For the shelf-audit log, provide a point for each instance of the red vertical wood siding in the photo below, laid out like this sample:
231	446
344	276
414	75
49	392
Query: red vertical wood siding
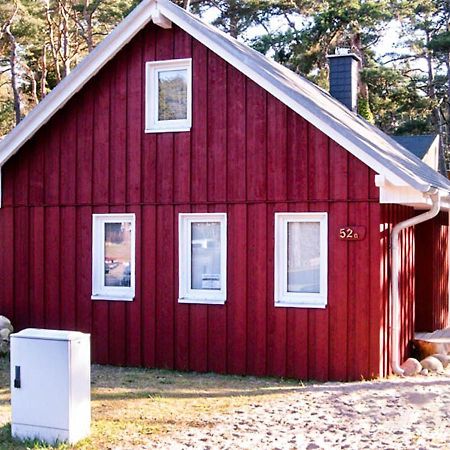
390	216
432	305
247	155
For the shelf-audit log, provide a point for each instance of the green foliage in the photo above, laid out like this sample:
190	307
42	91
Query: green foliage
6	116
396	104
364	109
440	43
51	38
237	16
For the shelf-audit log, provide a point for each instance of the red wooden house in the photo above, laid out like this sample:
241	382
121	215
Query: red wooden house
197	206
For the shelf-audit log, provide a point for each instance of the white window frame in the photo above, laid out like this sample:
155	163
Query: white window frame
152	124
283	297
99	290
186	293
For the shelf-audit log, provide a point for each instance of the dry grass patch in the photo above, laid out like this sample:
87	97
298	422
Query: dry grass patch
131	407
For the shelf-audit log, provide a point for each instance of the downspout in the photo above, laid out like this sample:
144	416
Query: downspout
395	299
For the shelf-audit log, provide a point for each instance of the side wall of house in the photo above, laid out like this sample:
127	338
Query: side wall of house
247	155
432	261
390	216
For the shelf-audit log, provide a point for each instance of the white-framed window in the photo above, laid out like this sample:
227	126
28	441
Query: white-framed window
168	97
203	258
301	267
113	256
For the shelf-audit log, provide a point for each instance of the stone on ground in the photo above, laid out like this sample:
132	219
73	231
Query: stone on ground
4	334
5	330
5	323
432	364
411	367
444	359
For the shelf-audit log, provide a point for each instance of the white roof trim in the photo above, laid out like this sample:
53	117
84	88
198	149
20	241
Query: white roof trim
160	20
408	196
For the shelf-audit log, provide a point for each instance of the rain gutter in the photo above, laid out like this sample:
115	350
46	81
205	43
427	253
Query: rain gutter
395	297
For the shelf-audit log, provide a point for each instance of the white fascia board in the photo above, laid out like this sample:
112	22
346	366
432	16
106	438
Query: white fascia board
402	195
436	147
85	70
408	196
431	157
306	113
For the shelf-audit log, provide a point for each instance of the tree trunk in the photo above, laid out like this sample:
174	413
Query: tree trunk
87	15
32	77
43	81
65	39
53	48
431	89
14	75
445	128
234	31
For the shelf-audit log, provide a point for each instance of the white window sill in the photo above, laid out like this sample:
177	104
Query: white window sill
112	297
168	130
300	305
196	301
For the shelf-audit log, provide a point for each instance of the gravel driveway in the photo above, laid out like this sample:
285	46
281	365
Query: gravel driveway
410	413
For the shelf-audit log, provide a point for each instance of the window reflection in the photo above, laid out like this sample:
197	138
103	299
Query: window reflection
303	257
172	93
118	254
205	255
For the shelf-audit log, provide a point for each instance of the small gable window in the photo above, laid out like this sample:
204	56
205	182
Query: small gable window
113	242
168	101
301	260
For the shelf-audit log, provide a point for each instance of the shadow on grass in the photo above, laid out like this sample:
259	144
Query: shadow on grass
219	392
8	443
5	435
4	372
143	393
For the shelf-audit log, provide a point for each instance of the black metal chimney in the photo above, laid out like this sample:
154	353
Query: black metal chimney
344	72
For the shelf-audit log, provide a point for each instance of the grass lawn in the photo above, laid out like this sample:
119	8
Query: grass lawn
130	407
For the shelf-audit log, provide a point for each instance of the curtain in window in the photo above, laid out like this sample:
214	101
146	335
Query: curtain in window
303	271
205	255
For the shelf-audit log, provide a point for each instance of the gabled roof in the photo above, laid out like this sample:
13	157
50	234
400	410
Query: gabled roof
363	140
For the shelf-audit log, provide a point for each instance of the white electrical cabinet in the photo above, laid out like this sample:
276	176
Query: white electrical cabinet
50	385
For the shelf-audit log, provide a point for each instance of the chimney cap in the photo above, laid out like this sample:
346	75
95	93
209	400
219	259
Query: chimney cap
341	52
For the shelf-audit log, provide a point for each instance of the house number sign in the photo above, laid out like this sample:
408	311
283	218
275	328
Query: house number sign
352	233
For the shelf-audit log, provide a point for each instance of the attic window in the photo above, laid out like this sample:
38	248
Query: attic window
168	101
